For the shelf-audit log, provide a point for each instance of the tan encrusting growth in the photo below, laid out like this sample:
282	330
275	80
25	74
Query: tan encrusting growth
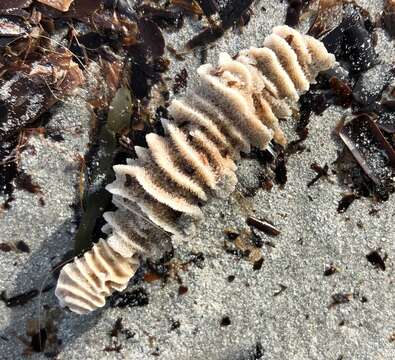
237	105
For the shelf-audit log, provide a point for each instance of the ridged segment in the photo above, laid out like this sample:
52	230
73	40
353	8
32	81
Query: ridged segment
237	105
84	284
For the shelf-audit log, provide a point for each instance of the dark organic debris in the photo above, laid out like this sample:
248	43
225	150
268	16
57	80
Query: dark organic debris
376	259
175	325
162	17
43	334
207	36
113	348
209	7
182	290
180	81
19	246
230	278
20	299
342	90
151	276
259	352
25	182
297	146
22	246
138	297
225	321
263	225
231	234
330	270
340	298
233	13
346	201
282	289
196	259
256	239
294	11
370	148
5	247
280	169
117	328
321	172
188	6
258	264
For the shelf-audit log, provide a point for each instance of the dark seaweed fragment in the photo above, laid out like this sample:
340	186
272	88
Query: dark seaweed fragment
175	325
258	264
294	11
151	37
259	352
162	17
340	298
22	246
376	259
330	270
180	81
207	36
20	299
25	182
39	340
209	7
345	202
233	11
282	289
138	297
150	46
321	172
116	328
225	321
5	247
280	169
342	90
182	290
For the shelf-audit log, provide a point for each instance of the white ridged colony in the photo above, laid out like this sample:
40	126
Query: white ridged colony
237	105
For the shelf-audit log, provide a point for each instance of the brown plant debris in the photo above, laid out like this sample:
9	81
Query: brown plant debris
321	172
263	225
340	298
376	259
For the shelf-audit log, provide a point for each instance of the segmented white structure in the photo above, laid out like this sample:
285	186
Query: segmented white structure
237	105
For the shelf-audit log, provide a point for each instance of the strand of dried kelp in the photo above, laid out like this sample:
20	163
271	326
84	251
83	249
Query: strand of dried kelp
237	105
